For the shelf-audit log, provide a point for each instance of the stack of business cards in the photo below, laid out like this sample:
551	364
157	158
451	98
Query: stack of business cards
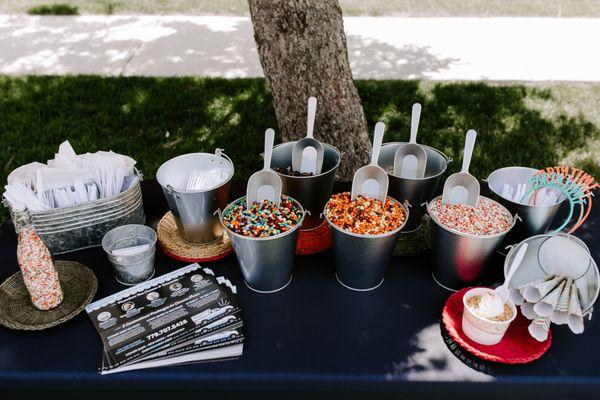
188	315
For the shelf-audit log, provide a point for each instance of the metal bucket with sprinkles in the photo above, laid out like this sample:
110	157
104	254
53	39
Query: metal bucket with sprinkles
264	239
414	190
364	233
465	238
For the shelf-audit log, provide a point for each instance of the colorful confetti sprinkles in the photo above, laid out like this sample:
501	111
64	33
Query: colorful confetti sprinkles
263	219
488	218
365	215
37	267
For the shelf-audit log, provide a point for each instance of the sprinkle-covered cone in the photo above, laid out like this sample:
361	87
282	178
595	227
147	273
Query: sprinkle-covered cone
527	311
536	291
539	328
546	305
560	314
575	316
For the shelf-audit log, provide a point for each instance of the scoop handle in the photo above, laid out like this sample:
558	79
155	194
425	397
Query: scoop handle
310	121
515	264
269	140
414	122
469	146
377	140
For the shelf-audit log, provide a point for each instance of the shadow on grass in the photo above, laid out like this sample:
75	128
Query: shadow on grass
154	119
509	132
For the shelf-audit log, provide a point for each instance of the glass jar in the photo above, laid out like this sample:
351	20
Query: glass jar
35	261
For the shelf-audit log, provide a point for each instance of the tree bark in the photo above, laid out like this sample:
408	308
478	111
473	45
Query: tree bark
302	49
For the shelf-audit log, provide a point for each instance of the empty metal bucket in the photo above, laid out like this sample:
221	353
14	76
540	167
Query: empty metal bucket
362	260
266	263
135	268
195	210
534	219
311	191
459	258
416	191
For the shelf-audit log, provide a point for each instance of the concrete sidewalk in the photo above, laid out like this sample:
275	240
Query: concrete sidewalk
528	49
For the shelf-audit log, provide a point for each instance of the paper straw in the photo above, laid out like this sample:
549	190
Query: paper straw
539	328
575	321
560	314
537	290
547	304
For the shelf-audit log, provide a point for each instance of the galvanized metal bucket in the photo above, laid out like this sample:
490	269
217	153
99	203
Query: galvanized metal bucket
362	260
573	260
194	210
135	268
416	191
459	258
84	225
266	263
311	191
534	219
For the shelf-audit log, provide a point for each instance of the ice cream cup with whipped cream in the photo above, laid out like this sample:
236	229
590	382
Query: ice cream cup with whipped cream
485	318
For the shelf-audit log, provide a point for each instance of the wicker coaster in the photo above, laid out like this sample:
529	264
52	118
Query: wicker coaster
315	240
173	245
414	242
78	284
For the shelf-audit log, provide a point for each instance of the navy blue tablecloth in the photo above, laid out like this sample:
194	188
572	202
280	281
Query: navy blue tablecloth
313	338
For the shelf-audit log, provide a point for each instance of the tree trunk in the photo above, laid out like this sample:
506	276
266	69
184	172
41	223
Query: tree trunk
302	49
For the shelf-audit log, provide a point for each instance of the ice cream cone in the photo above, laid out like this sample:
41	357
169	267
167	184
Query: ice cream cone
527	311
539	328
548	303
560	314
537	290
575	320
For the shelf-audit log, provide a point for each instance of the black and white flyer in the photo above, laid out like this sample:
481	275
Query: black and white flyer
187	315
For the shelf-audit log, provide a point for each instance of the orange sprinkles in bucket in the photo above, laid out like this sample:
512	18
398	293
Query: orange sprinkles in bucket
365	215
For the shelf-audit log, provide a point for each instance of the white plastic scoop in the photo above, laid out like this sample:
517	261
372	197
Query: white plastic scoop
372	180
410	159
502	290
264	184
462	187
307	153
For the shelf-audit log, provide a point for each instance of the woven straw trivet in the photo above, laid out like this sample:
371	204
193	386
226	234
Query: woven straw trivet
173	245
414	242
78	284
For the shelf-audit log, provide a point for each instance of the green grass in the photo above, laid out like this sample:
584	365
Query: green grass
154	119
53	9
416	8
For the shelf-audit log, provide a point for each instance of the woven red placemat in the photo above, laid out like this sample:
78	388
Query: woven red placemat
315	240
517	346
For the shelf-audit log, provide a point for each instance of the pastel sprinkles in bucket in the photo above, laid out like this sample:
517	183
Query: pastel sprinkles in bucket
365	215
264	219
488	218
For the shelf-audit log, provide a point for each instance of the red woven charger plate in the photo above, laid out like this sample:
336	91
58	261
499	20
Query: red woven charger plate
517	346
315	240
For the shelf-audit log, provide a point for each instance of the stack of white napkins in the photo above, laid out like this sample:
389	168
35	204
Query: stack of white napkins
70	179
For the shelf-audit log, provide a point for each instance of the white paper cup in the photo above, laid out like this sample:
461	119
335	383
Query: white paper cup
482	330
